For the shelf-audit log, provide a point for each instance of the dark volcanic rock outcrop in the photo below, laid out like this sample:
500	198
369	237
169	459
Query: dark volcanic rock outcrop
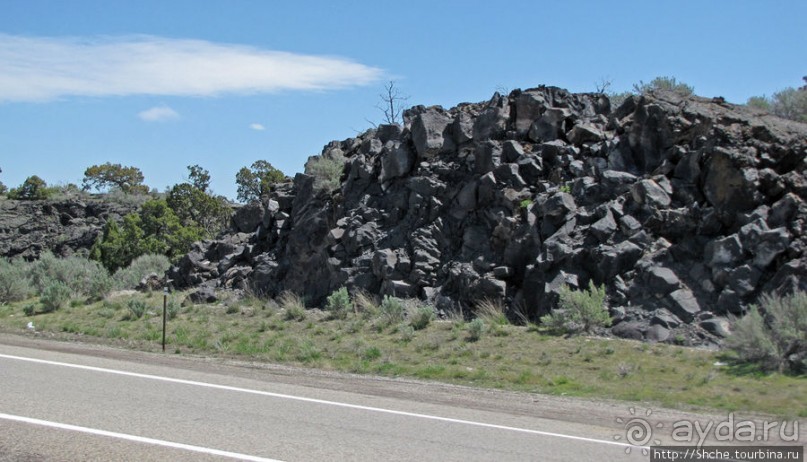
65	227
687	209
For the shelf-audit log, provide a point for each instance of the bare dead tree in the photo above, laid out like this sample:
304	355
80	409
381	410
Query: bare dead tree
392	103
603	85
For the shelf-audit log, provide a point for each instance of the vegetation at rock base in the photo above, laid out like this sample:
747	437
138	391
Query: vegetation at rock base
664	298
339	304
165	226
773	335
141	267
579	311
195	206
154	229
449	350
421	316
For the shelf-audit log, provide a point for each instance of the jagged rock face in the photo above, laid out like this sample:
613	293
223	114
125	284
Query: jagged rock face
65	227
687	209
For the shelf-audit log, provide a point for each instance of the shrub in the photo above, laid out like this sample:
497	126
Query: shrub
475	329
69	191
326	170
492	312
54	296
129	200
790	103
421	316
154	229
137	308
579	310
29	309
142	266
339	304
172	308
293	305
14	282
664	84
83	277
371	353
366	304
256	181
407	333
618	98
773	335
393	309
195	206
759	102
98	282
32	189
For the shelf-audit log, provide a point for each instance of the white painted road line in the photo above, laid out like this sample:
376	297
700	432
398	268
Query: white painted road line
137	439
317	401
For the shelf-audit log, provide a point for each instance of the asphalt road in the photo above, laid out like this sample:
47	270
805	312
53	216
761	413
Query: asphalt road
67	402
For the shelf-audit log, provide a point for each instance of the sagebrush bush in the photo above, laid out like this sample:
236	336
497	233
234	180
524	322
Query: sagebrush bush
14	282
579	310
790	103
407	333
82	276
172	308
137	308
666	84
142	266
475	329
773	335
392	309
326	170
55	296
339	304
420	317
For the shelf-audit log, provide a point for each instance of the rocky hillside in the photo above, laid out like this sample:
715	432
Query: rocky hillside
65	227
687	209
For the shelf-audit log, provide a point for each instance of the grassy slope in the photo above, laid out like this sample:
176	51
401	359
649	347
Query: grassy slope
507	357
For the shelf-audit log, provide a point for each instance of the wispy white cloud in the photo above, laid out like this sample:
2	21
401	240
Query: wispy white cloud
257	126
46	68
158	114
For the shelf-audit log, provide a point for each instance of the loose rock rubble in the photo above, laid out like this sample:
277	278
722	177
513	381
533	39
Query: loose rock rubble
687	209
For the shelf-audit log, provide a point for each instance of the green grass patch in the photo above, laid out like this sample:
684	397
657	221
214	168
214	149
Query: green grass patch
372	340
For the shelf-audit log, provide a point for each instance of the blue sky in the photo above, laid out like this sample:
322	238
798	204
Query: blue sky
164	84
